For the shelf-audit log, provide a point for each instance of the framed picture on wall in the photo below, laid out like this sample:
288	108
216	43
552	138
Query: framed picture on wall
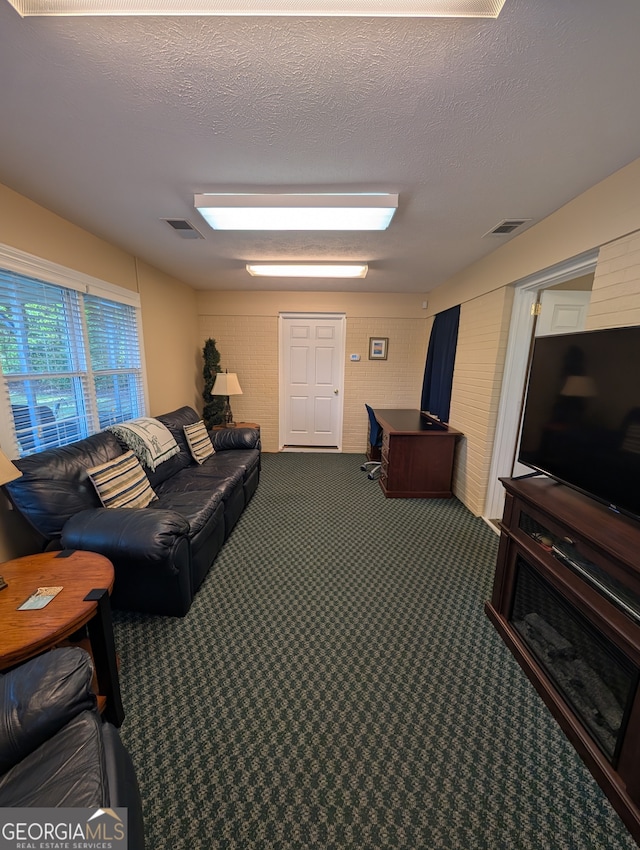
378	346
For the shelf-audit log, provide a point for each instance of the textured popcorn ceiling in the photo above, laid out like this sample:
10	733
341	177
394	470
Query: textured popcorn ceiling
116	123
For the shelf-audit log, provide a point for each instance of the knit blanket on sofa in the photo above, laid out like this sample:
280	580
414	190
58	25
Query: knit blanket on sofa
148	439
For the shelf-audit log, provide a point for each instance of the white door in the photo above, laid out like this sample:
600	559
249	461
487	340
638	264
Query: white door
311	380
563	311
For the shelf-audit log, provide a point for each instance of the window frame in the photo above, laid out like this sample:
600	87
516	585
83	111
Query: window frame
21	263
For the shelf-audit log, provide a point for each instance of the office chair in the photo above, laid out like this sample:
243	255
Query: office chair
375	439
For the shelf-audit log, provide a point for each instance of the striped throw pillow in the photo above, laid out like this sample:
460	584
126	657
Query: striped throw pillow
199	441
122	483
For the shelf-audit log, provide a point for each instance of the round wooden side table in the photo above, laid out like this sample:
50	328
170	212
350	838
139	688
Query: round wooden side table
86	579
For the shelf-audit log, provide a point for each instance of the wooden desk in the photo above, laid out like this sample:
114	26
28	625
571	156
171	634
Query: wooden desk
417	455
86	580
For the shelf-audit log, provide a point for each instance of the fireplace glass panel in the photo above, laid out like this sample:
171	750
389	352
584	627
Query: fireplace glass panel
595	678
564	550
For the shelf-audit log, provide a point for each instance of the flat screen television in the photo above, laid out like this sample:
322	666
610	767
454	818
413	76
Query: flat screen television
581	422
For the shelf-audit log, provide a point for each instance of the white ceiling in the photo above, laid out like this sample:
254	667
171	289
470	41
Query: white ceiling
115	123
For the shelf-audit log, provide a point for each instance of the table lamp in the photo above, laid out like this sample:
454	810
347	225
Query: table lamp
8	472
226	384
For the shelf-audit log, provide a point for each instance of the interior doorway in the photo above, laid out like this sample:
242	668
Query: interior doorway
563	313
312	347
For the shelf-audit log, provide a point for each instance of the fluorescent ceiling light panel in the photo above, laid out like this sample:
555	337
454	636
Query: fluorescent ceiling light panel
297	8
308	269
370	211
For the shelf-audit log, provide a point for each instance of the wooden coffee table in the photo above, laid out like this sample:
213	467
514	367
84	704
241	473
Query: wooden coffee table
86	579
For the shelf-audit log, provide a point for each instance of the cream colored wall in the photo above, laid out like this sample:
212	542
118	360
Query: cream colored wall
602	214
615	296
394	382
584	283
29	227
245	327
606	215
475	395
169	317
173	354
248	345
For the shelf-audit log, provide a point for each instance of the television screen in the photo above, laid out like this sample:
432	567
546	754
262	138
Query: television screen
581	422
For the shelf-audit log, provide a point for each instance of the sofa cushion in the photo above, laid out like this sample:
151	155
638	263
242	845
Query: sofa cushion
199	441
69	767
195	506
175	422
225	463
122	483
39	698
207	477
236	438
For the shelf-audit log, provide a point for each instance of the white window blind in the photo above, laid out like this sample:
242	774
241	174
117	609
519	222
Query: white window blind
71	361
114	355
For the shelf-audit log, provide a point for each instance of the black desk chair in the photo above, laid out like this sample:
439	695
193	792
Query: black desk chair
375	439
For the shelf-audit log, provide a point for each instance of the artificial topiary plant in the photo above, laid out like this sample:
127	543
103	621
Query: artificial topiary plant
213	404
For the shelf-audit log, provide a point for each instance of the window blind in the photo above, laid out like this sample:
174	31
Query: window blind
71	361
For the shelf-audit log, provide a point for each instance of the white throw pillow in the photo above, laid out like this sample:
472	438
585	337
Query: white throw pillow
199	441
122	483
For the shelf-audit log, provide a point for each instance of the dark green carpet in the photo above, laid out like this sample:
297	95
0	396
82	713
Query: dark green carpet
337	685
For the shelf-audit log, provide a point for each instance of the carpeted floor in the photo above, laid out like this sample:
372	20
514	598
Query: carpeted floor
337	685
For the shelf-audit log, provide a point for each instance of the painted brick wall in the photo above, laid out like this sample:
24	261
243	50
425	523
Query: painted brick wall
248	345
394	382
615	297
479	366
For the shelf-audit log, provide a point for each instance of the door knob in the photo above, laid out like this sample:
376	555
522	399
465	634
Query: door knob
335	392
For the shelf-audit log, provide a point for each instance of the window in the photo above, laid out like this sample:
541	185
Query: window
70	355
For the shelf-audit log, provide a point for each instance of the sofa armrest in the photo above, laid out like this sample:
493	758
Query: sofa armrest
40	697
145	534
235	438
123	784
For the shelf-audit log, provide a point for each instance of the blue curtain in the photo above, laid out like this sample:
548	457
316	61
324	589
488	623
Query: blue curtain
441	356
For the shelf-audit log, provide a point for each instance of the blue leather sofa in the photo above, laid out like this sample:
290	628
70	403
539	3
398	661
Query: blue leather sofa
55	749
161	553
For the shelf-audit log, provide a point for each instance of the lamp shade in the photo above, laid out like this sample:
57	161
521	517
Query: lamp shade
8	471
226	383
579	386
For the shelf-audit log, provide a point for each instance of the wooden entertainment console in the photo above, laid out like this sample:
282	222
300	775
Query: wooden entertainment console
566	601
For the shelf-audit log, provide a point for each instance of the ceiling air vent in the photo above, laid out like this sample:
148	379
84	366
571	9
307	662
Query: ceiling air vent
507	226
183	228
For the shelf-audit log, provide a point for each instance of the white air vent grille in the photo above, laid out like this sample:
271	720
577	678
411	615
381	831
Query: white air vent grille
183	228
507	226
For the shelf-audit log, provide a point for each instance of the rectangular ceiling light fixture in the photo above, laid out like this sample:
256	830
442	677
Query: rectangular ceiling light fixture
276	8
367	211
321	270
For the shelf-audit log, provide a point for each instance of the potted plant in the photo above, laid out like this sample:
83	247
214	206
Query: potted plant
213	404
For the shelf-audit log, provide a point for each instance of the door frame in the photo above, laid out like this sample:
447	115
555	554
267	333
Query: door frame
515	368
342	347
